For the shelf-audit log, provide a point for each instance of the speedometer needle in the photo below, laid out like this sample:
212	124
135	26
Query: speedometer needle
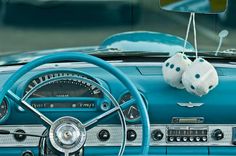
132	108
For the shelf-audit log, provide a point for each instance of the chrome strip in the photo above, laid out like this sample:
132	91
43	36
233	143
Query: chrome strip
189	104
115	134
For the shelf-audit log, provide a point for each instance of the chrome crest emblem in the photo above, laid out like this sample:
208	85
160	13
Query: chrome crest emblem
189	104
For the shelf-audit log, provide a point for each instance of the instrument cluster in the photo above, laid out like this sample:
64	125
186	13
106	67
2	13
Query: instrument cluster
62	90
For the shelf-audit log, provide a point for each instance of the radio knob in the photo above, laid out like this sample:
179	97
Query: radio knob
157	135
217	134
27	153
131	135
19	137
104	135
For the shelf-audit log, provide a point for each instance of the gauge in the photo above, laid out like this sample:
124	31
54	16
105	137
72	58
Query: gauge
62	87
3	109
132	113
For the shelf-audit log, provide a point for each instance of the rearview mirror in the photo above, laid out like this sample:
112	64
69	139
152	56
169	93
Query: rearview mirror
196	6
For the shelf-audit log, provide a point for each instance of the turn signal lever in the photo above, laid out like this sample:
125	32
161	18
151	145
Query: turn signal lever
20	133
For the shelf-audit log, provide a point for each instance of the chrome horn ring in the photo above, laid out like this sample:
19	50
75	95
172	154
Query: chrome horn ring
67	135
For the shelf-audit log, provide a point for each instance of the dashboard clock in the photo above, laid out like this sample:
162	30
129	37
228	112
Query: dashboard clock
132	113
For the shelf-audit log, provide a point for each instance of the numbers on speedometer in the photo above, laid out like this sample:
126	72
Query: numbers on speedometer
132	113
63	87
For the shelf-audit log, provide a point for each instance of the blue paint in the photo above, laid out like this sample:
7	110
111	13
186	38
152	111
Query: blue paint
5	151
161	98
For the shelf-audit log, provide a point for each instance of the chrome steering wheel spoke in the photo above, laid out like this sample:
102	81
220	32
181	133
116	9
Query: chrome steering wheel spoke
109	112
27	106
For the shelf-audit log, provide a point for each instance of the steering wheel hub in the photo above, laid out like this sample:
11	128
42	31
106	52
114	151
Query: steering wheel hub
67	135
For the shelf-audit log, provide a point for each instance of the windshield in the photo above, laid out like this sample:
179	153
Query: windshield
39	25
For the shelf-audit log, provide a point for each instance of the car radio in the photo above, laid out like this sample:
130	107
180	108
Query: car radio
186	134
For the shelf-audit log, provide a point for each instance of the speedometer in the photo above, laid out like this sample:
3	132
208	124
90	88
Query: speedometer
64	87
63	90
67	88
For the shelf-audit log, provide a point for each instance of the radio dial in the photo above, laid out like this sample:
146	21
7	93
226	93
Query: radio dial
217	134
157	135
104	135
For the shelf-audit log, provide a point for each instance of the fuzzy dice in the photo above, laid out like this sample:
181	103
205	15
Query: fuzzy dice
200	77
173	69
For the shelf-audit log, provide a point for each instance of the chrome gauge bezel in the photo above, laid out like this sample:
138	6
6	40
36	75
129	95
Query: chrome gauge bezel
145	101
7	114
74	72
51	74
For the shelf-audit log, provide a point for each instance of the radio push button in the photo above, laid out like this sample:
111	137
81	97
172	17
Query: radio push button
171	139
178	139
204	139
185	139
191	139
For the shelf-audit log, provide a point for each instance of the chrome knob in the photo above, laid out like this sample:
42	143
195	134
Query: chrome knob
157	135
171	139
217	134
198	139
204	139
185	139
178	139
191	139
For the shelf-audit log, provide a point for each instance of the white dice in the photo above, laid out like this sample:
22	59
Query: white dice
173	69
200	77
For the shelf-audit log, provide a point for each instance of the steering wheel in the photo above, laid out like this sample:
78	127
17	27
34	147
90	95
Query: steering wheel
67	134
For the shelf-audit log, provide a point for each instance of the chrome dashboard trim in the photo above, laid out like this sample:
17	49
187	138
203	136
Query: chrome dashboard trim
189	104
115	131
9	141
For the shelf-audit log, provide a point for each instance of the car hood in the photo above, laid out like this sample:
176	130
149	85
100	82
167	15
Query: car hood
147	41
136	41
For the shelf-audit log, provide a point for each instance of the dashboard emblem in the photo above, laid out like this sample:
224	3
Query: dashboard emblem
190	104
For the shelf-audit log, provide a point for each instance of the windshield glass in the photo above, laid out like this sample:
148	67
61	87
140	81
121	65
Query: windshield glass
40	25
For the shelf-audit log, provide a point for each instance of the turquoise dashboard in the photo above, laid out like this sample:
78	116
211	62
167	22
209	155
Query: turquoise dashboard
181	123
